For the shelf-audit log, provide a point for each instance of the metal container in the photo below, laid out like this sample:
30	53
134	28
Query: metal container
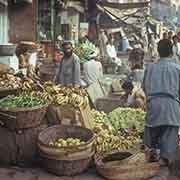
7	49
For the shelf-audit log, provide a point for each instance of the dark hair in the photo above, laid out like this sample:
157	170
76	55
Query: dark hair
136	57
67	43
165	48
175	37
127	85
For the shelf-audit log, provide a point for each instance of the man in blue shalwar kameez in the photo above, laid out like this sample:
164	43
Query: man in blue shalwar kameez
161	85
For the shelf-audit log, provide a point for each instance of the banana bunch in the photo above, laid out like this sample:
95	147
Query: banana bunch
107	141
60	95
107	138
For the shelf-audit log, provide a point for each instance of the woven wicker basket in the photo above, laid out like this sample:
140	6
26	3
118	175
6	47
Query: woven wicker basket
22	118
66	160
141	171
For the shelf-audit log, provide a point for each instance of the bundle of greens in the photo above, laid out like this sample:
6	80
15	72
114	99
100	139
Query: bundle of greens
127	118
84	51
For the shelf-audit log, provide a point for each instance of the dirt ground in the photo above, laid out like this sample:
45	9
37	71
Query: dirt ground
15	173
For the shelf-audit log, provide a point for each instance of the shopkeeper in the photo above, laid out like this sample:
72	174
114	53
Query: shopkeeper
136	62
161	85
68	72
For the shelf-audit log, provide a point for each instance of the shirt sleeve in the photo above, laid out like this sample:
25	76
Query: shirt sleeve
144	81
57	73
77	72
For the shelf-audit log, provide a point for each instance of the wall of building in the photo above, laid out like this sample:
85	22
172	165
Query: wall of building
22	18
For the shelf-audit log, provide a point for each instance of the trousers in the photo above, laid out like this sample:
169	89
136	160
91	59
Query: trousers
164	138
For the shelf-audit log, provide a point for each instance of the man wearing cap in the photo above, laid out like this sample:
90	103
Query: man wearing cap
68	72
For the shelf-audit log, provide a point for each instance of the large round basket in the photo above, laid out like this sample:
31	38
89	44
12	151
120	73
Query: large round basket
70	160
118	171
19	148
22	118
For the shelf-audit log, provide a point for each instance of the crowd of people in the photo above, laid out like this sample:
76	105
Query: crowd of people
160	85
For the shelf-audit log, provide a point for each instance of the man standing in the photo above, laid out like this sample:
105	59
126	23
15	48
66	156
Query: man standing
68	73
161	85
93	70
176	49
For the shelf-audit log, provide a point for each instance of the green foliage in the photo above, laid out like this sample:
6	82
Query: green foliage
21	101
84	51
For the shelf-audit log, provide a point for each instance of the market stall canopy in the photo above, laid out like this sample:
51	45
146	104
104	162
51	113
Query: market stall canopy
4	2
21	1
135	16
120	5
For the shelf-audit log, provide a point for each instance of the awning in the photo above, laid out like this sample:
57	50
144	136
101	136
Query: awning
121	6
20	1
129	16
4	2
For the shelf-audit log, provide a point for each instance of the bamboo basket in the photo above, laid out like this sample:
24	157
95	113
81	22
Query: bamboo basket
22	118
124	171
66	161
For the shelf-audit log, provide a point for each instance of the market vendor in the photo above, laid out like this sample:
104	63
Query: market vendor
136	62
161	85
134	96
68	72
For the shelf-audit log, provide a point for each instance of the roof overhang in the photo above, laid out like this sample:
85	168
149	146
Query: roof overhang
122	6
4	2
20	1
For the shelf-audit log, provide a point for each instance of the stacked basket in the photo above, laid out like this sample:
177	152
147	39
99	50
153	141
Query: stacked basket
66	161
18	134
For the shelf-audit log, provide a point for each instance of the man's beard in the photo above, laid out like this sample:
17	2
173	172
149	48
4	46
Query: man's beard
68	54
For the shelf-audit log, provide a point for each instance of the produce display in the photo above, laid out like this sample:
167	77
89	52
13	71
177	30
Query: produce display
66	142
9	81
60	95
21	101
123	118
84	51
110	138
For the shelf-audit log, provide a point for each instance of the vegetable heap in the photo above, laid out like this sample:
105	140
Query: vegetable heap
122	137
123	118
21	101
9	81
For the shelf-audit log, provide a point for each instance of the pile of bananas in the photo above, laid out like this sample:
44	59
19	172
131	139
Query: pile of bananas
60	95
66	142
107	139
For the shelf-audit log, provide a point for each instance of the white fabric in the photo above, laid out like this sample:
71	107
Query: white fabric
33	59
176	52
93	71
111	51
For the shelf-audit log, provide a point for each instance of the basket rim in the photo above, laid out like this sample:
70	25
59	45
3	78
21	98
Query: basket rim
67	147
102	165
19	109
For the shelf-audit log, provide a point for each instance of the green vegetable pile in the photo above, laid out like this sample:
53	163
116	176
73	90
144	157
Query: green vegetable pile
125	118
84	51
110	135
21	101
